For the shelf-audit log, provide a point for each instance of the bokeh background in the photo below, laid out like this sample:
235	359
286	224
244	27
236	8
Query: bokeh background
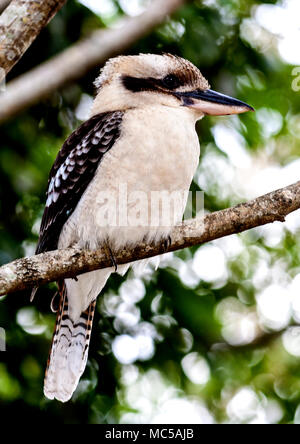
212	335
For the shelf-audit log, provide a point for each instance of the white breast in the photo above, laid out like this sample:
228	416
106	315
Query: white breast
158	151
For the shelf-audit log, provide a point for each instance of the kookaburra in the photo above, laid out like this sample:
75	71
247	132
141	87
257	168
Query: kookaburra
141	133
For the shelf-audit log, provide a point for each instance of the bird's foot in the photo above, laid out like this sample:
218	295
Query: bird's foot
55	302
112	258
33	293
167	243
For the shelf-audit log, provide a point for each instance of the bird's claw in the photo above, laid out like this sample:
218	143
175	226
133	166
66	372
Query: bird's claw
112	258
55	303
167	243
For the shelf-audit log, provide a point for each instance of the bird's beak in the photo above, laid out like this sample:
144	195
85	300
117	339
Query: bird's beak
213	103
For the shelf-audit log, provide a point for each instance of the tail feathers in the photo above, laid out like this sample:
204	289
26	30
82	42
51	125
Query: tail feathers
69	351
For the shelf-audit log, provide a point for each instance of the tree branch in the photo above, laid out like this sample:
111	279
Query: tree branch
76	61
47	267
20	23
4	4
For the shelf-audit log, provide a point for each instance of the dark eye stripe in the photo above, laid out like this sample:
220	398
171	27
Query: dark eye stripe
135	84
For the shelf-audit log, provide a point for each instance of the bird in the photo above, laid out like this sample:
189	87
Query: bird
140	136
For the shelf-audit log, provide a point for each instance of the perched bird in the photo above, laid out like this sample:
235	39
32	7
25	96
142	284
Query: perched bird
141	134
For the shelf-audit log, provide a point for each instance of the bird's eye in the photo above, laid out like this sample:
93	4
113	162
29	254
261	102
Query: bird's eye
171	81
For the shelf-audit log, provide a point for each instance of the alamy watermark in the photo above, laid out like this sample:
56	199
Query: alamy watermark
296	81
2	340
148	209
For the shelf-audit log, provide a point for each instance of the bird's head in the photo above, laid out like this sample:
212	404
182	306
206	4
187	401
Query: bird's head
148	79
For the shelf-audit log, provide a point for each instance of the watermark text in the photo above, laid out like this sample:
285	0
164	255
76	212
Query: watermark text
148	209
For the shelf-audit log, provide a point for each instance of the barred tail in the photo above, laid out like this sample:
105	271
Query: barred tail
69	350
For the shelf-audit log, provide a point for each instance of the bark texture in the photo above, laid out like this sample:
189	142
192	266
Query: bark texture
29	272
20	23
